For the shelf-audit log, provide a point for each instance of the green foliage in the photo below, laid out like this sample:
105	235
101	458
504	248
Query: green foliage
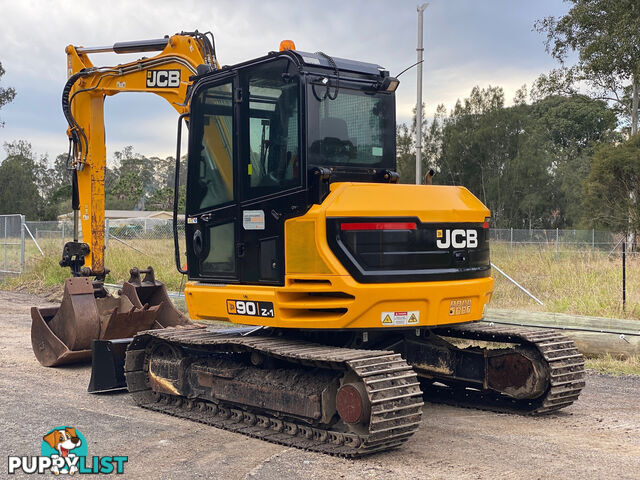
7	94
28	185
526	162
41	190
19	192
606	34
128	189
138	182
405	154
162	199
431	145
612	189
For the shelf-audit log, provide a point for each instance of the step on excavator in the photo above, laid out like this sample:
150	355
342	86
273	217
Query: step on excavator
354	297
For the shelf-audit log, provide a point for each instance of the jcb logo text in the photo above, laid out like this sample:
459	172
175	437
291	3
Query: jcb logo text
457	238
163	78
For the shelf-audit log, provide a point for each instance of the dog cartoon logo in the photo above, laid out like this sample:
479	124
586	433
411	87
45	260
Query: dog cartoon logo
61	442
63	450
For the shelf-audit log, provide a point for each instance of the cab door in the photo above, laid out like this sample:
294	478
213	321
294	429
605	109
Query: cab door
271	180
212	213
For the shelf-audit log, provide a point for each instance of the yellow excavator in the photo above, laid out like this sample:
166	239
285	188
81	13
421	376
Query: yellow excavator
356	297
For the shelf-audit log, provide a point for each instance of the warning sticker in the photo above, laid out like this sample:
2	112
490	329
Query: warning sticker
389	319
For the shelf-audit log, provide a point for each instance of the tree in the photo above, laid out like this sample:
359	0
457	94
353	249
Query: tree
571	128
6	94
54	183
612	189
162	199
19	192
478	137
431	145
133	179
138	182
526	162
606	34
405	154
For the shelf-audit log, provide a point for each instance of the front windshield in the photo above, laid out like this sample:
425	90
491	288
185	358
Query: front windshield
355	129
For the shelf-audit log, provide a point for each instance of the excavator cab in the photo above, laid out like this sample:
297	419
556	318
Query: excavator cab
266	139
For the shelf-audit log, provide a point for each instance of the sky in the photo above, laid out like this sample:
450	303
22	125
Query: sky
467	43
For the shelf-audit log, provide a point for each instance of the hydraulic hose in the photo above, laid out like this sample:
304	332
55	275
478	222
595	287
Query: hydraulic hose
76	131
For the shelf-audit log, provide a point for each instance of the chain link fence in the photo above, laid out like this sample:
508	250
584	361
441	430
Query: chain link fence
152	228
12	244
119	229
561	241
135	232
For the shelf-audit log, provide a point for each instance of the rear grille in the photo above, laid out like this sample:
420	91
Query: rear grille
405	249
313	304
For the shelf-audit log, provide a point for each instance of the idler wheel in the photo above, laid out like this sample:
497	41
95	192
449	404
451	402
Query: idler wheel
352	403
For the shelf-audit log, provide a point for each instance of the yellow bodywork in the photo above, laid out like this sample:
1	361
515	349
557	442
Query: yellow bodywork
319	293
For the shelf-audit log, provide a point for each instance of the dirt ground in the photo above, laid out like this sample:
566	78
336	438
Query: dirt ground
598	437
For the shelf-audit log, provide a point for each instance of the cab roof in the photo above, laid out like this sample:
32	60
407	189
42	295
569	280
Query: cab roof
319	60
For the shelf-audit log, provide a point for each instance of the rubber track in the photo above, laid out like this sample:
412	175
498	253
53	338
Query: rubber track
565	364
391	384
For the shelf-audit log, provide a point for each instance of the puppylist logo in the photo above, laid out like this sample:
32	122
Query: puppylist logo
64	451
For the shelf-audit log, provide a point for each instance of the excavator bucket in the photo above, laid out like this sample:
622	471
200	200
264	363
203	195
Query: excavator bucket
63	335
148	291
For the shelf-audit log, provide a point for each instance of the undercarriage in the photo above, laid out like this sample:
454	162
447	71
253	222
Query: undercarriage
345	399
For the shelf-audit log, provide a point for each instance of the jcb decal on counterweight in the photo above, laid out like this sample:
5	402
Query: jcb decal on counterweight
457	238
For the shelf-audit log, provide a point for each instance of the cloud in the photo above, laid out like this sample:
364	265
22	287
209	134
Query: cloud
467	43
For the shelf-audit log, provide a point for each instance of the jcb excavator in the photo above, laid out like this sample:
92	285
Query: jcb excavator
357	297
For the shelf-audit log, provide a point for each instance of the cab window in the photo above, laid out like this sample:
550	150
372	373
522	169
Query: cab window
274	140
211	171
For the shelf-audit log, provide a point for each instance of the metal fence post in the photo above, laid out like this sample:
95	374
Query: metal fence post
22	220
106	232
593	238
511	241
624	275
5	243
63	234
557	231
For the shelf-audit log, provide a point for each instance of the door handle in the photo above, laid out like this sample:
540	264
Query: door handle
205	217
241	249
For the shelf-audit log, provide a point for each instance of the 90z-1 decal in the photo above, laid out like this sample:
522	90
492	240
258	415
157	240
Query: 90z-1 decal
249	308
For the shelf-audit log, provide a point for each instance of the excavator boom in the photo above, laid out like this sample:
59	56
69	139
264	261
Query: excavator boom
166	74
88	314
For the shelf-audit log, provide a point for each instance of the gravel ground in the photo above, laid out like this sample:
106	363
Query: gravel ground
598	437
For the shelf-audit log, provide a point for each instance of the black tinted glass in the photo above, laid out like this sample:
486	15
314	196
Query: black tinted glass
356	129
211	154
274	141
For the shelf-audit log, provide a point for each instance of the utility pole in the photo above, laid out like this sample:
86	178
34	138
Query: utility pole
420	50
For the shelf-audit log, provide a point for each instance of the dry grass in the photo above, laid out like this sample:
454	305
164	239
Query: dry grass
581	282
44	272
614	365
